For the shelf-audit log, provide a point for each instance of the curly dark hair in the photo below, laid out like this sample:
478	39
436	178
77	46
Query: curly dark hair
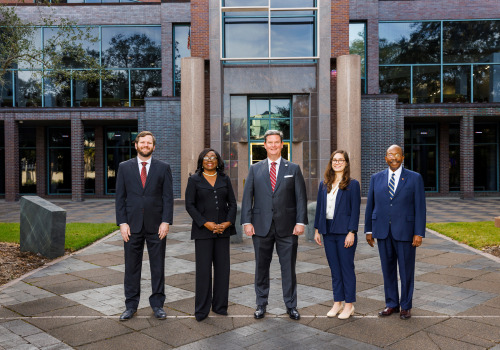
220	162
330	174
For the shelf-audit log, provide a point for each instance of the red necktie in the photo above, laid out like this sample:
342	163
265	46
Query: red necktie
272	174
144	174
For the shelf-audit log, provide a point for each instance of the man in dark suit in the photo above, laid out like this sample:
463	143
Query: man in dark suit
395	216
274	211
144	211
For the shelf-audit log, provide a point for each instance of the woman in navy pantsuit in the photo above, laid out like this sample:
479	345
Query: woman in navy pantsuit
210	201
337	219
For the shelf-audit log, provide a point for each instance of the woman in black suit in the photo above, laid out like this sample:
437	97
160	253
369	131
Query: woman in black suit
211	203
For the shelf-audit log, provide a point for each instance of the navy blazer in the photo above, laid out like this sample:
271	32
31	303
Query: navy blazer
286	206
148	206
404	214
346	214
205	203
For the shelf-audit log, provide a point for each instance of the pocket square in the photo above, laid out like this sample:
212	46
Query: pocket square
288	176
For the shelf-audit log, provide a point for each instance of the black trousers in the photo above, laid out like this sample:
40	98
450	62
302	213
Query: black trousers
134	249
286	247
208	252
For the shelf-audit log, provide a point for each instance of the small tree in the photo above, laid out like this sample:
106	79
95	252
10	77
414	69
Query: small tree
68	51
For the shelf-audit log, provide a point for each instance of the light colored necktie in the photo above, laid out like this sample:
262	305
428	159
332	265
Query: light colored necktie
392	183
144	174
272	175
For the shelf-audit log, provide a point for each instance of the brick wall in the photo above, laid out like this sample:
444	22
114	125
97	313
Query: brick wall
200	28
340	27
163	119
77	164
444	158
11	130
467	157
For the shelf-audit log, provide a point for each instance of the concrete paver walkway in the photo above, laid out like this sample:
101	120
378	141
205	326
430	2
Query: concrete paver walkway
75	303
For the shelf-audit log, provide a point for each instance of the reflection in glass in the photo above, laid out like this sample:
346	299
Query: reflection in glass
131	47
182	48
36	39
471	41
89	161
144	83
60	171
59	137
27	137
421	152
485	176
421	134
454	167
426	84
258	128
292	3
259	108
27	171
409	42
456	84
280	108
485	133
244	3
115	91
486	81
357	47
57	94
296	30
396	80
283	125
119	137
6	91
246	37
85	94
28	91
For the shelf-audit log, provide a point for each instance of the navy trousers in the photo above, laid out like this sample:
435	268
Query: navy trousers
394	253
341	262
133	266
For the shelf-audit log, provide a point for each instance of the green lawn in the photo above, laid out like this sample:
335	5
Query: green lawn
475	234
78	235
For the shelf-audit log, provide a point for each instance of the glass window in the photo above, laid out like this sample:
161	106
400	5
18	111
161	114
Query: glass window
292	3
486	80
409	42
89	160
182	48
456	84
7	91
2	161
115	91
486	155
246	37
241	3
57	94
396	80
471	41
426	84
357	47
119	147
36	39
28	91
85	94
131	47
296	30
59	150
144	83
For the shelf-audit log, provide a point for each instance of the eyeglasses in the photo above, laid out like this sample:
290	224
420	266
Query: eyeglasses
338	161
393	155
209	158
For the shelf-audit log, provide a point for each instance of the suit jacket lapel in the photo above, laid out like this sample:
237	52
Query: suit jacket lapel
281	173
385	182
337	203
264	174
401	183
136	171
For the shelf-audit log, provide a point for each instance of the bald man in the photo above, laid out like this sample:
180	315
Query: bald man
395	216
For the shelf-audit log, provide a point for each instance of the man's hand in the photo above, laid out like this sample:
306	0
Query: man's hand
125	231
317	237
417	241
249	230
163	230
370	240
298	230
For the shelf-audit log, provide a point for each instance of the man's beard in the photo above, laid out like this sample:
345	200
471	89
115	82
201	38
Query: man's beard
145	155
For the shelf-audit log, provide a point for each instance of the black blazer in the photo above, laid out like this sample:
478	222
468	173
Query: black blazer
148	206
206	203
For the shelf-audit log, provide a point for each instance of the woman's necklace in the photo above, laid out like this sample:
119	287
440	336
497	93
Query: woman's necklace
204	173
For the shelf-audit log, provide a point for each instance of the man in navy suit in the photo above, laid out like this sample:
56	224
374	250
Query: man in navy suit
274	211
144	211
395	216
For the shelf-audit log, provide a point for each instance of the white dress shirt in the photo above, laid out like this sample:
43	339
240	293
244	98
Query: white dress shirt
397	175
331	198
147	165
277	161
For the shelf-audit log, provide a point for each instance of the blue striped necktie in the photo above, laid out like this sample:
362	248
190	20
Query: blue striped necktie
391	186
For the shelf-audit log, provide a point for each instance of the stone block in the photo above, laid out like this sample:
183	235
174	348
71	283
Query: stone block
497	221
311	213
43	227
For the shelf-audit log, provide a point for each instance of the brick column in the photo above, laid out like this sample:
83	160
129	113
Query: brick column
41	162
99	161
77	163
467	157
11	138
444	158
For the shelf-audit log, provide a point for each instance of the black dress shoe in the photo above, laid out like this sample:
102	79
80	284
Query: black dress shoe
222	312
388	311
200	318
160	313
405	314
293	313
127	314
259	312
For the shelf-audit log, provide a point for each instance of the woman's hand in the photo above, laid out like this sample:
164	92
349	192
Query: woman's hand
317	237
349	240
222	227
212	226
